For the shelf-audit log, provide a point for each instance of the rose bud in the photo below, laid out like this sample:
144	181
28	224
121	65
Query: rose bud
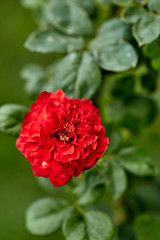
61	137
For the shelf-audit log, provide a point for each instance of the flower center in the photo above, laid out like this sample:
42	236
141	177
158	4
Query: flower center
65	133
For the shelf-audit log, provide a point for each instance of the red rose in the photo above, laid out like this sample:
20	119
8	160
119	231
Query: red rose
62	137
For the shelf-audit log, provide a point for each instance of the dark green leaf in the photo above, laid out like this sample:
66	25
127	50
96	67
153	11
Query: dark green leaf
132	14
137	161
113	55
123	87
35	78
116	178
68	17
147	227
154	5
94	225
51	40
149	82
152	50
114	29
77	75
11	118
146	29
46	215
140	111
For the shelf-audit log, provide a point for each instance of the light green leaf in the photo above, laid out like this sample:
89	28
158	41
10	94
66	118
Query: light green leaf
77	75
91	195
113	55
154	5
99	226
31	3
11	118
34	76
68	17
46	215
146	29
50	40
132	14
137	161
94	225
147	227
114	29
123	3
92	186
116	178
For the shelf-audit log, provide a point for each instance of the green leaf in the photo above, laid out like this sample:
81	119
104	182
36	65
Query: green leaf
114	29
155	63
88	5
149	82
46	215
31	3
113	55
139	111
146	29
133	14
137	161
34	76
99	226
123	87
154	5
77	75
116	178
92	186
91	195
152	50
68	17
105	1
147	195
123	3
50	40
147	227
11	118
115	137
94	225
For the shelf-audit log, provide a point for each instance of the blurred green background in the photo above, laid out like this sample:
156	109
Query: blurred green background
17	183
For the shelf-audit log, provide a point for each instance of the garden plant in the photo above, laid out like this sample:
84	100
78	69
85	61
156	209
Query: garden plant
90	105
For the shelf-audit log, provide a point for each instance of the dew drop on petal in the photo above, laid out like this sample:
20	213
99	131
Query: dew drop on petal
45	164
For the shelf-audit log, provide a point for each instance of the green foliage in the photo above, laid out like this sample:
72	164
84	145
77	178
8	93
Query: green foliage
67	16
11	118
77	75
146	29
147	227
116	178
50	40
93	225
46	215
137	161
154	5
107	51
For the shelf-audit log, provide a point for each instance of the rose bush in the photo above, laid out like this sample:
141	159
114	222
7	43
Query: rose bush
62	137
